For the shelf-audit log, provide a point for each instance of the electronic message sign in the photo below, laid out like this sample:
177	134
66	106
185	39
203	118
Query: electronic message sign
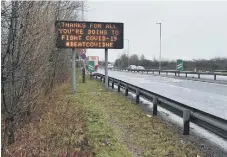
78	34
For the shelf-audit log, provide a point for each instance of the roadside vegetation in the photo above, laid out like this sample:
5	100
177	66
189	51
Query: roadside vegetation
30	62
93	122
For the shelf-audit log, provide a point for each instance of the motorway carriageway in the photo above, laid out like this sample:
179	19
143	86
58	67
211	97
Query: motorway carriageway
208	97
208	77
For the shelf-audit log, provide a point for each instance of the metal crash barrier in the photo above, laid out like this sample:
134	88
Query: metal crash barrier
189	114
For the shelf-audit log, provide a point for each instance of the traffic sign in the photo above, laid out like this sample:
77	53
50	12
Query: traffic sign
179	65
81	34
83	56
91	66
95	59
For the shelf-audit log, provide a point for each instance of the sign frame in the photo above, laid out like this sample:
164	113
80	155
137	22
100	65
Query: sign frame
180	65
118	44
90	71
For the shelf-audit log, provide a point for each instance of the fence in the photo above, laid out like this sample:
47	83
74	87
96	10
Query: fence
177	73
189	114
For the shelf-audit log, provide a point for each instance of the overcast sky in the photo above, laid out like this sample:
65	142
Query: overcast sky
190	30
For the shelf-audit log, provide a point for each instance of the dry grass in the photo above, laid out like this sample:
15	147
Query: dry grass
66	123
57	129
97	122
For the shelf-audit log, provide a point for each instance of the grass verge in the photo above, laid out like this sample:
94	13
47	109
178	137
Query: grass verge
98	123
142	135
68	124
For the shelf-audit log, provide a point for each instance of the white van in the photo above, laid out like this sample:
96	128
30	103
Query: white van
110	66
132	67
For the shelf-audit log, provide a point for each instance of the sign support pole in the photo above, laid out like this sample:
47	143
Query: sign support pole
114	34
83	75
73	70
106	69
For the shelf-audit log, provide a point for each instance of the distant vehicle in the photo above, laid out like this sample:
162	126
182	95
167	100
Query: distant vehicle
96	67
140	68
110	66
132	67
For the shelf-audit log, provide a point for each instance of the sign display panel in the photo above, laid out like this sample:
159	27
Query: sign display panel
92	35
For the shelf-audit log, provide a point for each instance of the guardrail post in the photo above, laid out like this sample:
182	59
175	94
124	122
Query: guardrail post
108	82
198	75
175	73
214	77
186	74
83	75
147	71
100	78
155	105
126	90
186	122
90	75
119	86
113	84
104	80
137	96
159	72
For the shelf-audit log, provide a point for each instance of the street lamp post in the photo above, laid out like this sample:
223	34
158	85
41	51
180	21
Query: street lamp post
160	46
128	51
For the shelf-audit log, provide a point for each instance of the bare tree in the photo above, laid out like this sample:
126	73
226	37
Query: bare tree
30	61
142	57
